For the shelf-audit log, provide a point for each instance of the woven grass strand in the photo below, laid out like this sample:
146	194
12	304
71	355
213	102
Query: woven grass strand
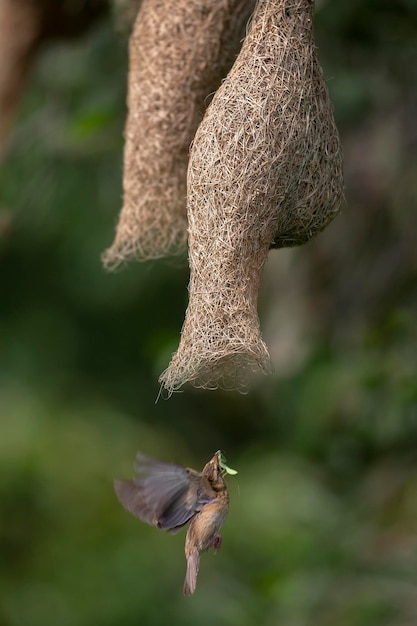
265	171
179	52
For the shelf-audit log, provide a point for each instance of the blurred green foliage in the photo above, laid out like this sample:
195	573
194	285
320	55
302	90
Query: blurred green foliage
323	524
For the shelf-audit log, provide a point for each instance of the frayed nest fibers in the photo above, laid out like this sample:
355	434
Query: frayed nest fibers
265	171
179	53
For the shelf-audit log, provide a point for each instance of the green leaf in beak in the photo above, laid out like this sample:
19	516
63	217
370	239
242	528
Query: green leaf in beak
223	466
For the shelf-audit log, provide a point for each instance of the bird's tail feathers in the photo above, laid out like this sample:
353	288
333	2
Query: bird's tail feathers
190	582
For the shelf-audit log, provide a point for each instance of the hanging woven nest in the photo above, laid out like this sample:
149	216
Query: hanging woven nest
265	171
20	27
178	56
24	26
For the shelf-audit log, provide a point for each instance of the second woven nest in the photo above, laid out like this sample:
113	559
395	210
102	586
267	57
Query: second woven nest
178	54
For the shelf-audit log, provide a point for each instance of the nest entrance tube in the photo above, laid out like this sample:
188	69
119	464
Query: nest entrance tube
265	171
221	342
178	54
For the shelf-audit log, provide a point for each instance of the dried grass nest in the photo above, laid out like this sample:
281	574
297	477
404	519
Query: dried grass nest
178	55
265	171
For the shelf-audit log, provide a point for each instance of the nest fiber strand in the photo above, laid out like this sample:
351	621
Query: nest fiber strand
265	170
179	53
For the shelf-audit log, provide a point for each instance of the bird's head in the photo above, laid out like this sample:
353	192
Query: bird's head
216	469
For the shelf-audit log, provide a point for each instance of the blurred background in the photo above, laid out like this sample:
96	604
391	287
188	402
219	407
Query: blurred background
322	529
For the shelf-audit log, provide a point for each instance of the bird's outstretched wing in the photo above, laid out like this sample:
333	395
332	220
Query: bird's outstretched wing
163	494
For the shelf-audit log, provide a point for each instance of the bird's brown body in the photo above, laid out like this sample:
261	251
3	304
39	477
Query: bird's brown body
170	496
